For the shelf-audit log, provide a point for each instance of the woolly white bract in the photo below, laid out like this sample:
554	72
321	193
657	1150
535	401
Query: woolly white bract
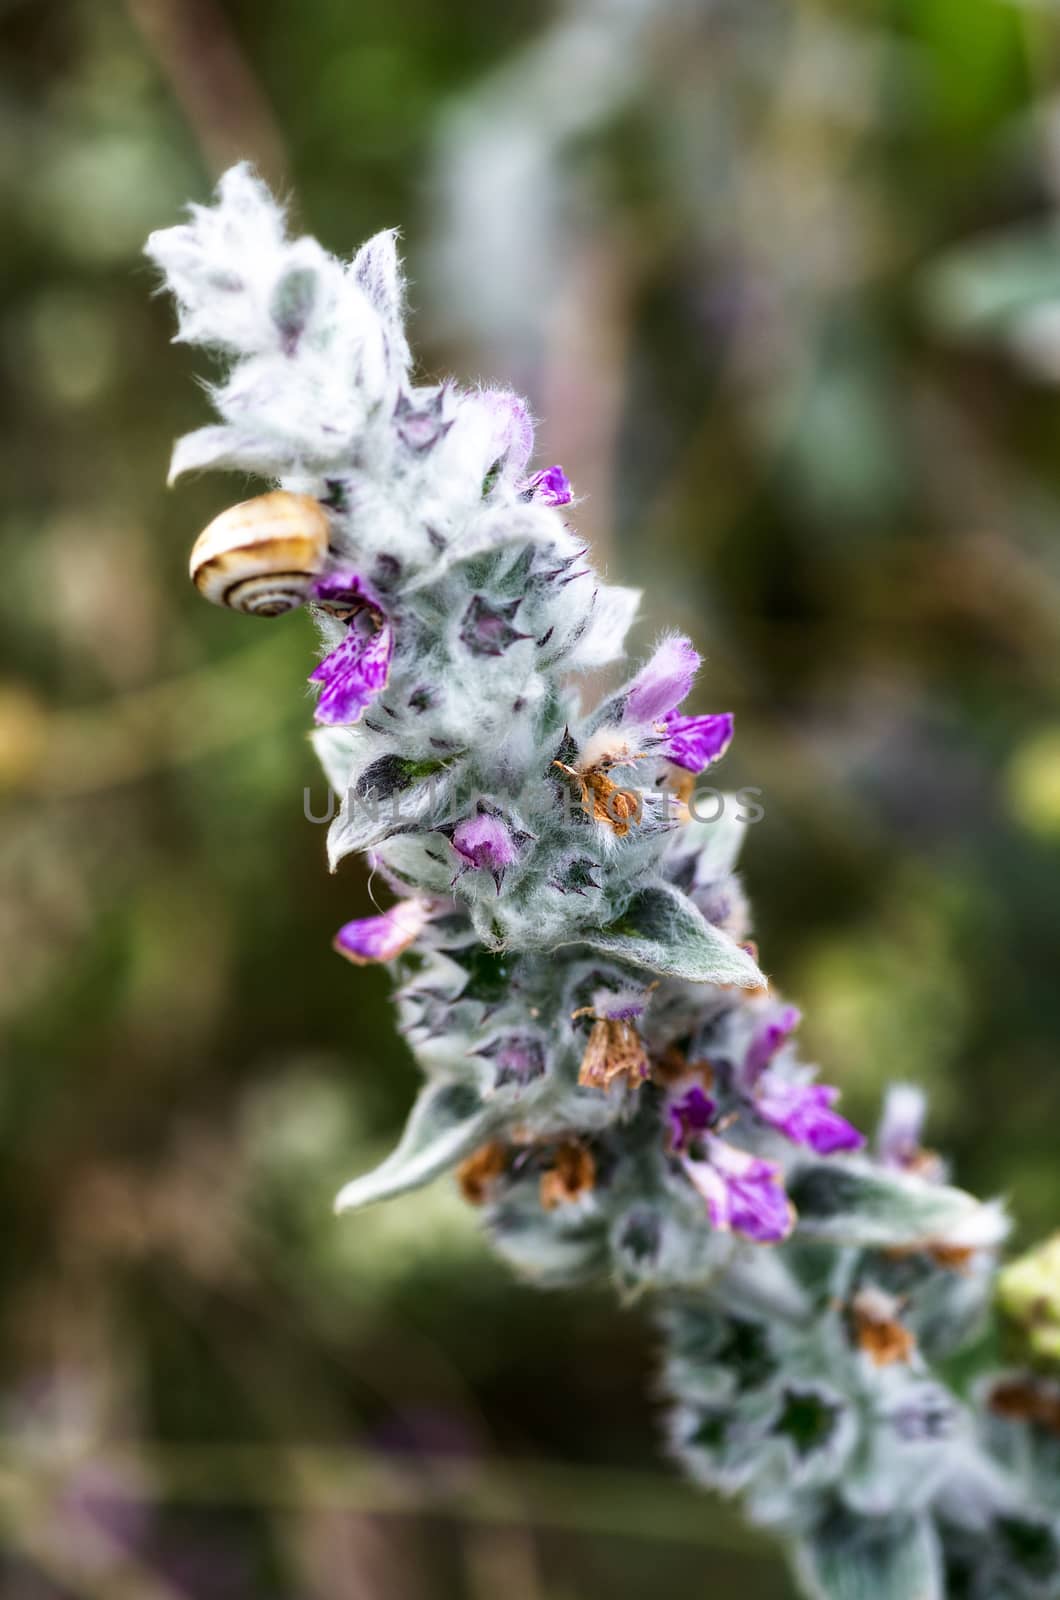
605	1064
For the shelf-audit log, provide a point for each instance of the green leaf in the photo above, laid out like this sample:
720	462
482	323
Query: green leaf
447	1122
663	931
871	1558
850	1202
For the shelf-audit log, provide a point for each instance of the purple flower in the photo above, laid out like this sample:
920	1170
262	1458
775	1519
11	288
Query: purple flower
743	1193
382	938
487	630
653	698
689	1116
356	671
767	1040
803	1113
485	843
660	687
694	742
551	487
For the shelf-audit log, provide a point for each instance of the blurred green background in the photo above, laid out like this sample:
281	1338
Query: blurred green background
782	281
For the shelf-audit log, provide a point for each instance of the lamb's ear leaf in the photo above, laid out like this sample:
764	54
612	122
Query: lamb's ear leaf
448	1121
225	447
388	796
612	617
550	1248
377	268
871	1558
716	844
662	930
853	1202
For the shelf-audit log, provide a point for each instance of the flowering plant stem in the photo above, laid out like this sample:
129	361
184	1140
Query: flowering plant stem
609	1074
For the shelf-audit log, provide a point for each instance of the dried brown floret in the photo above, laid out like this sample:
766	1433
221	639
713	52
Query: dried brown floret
479	1173
1026	1399
572	1173
877	1330
615	1051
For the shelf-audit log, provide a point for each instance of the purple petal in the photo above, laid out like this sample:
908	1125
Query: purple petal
384	937
693	1113
356	671
343	594
661	686
767	1040
803	1113
742	1192
715	1191
551	487
760	1209
694	742
484	842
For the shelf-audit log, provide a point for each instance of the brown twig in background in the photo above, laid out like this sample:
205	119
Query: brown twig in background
226	108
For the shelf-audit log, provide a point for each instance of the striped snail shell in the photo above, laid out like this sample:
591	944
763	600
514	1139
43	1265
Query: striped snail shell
262	555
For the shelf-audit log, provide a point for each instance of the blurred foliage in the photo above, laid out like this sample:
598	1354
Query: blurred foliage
782	282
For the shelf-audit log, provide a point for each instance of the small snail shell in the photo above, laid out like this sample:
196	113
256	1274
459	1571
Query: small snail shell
262	555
